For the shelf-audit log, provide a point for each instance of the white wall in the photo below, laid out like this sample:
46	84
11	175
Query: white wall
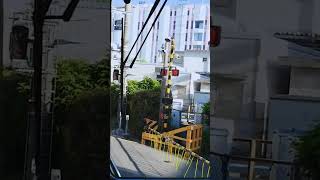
262	19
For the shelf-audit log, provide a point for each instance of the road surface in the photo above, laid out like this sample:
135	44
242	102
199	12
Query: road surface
136	160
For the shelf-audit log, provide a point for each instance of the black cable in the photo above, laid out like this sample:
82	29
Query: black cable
154	22
143	26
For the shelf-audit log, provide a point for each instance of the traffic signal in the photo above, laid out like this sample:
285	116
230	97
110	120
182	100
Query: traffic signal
18	42
215	36
116	74
175	72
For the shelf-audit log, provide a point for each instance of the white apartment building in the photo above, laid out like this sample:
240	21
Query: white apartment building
187	23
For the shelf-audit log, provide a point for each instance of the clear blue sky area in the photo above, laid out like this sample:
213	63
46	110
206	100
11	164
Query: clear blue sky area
170	2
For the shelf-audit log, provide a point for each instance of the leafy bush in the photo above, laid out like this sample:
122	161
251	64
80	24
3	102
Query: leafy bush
14	92
308	152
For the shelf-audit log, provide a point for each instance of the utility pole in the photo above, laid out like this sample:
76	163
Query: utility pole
39	142
123	66
1	38
164	77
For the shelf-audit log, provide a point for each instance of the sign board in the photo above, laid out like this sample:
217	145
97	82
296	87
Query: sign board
118	25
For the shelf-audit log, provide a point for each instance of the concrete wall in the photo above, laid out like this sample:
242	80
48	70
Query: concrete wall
298	113
303	82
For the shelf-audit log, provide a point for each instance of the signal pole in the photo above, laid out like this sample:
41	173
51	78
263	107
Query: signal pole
1	37
123	66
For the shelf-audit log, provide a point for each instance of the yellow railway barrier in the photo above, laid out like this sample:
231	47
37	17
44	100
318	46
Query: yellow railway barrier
169	144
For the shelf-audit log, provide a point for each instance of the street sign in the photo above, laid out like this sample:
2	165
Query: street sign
118	25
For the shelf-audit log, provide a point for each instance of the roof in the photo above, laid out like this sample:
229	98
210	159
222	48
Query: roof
310	40
297	62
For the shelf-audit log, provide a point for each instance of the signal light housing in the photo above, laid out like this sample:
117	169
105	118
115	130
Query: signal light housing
215	36
175	72
116	74
163	72
19	42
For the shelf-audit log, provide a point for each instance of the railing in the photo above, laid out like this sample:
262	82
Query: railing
114	172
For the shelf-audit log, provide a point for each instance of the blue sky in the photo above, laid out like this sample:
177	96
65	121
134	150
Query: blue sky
170	2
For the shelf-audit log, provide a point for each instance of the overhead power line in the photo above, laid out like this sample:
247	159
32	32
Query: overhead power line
144	25
154	22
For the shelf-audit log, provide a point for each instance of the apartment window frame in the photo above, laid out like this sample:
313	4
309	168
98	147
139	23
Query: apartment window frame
188	12
186	38
198	36
192	24
170	13
187	25
175	13
196	47
190	46
199	24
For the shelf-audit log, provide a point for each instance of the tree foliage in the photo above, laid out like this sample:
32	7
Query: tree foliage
146	84
14	93
206	113
308	152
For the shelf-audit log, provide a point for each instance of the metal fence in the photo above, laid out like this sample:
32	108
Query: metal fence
227	167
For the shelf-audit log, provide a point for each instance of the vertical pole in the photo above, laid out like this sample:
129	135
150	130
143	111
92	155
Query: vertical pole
38	21
168	93
125	53
252	163
1	37
121	76
163	81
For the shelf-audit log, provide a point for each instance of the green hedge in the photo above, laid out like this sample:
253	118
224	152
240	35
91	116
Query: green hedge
13	117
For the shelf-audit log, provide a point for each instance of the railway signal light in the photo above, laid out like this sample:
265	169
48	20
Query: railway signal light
175	72
116	74
163	72
215	36
18	42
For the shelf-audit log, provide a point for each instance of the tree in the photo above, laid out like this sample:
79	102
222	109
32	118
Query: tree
206	113
308	152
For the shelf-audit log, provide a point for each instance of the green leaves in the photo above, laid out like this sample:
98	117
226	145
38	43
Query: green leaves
146	84
75	76
206	112
308	152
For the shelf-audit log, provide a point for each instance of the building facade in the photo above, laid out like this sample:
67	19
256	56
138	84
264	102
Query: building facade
187	23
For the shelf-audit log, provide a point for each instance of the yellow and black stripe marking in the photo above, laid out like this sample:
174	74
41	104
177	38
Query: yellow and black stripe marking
151	123
168	94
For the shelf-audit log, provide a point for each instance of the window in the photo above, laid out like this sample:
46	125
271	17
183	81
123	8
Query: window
173	34
157	38
196	47
170	13
175	13
206	22
205	35
187	24
158	25
191	24
204	59
186	39
188	12
174	24
198	36
204	47
190	47
138	25
185	47
198	24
